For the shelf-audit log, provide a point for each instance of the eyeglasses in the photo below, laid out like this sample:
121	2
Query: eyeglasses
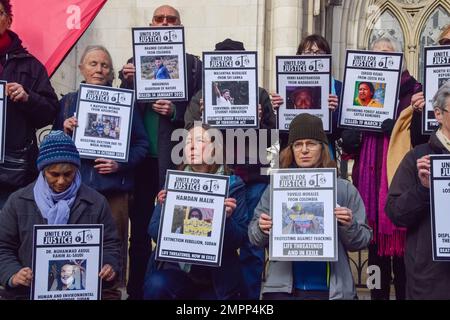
310	145
3	13
169	19
314	52
444	41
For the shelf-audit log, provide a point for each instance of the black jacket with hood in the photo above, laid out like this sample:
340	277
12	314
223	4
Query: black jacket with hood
23	118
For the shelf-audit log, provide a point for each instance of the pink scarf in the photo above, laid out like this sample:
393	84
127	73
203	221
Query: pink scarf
389	238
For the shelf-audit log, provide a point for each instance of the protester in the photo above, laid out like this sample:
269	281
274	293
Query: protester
170	280
252	258
161	118
408	206
315	44
307	148
369	175
114	180
57	197
32	104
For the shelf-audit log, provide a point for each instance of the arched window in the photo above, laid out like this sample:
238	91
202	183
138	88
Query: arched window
387	26
430	33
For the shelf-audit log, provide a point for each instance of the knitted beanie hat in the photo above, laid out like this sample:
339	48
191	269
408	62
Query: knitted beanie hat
306	126
57	147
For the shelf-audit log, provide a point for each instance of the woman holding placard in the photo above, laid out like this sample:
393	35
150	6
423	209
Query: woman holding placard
171	280
307	148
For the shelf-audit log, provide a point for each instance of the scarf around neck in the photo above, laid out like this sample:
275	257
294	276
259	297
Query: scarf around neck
443	139
55	207
389	238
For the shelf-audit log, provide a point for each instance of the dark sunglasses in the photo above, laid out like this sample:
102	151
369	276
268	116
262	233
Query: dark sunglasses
169	19
444	41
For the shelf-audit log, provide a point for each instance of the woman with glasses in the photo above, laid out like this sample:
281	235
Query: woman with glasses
287	280
315	44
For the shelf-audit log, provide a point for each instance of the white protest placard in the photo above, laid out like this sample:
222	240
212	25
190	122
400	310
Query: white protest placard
160	61
66	262
370	89
302	206
2	119
437	73
304	82
230	89
440	198
193	217
105	117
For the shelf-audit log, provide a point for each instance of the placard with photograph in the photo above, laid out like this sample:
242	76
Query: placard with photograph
3	104
193	217
230	89
304	82
370	89
440	198
302	206
105	117
160	61
66	262
437	73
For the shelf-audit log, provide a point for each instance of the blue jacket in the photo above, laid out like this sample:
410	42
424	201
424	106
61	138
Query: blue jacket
226	278
123	179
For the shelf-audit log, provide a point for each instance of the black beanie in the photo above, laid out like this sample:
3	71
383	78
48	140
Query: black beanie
306	126
229	44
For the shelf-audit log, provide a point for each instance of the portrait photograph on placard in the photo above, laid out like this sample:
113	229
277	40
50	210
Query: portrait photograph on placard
369	94
194	221
230	93
103	126
67	275
303	97
159	67
303	218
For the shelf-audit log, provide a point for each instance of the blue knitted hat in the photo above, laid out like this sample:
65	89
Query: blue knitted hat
57	147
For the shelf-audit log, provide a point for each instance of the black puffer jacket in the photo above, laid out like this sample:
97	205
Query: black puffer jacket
22	119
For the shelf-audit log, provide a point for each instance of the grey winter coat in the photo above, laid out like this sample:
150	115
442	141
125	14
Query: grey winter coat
353	238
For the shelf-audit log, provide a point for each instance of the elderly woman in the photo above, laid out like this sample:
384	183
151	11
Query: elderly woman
307	148
57	197
370	177
167	280
112	179
32	104
408	206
